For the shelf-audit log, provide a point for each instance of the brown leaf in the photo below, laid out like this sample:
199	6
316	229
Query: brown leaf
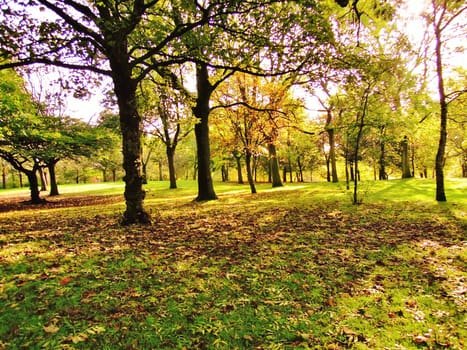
65	281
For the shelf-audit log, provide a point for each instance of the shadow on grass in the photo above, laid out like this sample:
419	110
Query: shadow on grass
275	270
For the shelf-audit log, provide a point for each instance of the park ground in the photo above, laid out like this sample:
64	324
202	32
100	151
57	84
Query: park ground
297	267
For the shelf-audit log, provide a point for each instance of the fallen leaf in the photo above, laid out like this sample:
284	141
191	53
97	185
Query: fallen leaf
420	339
51	329
65	281
348	331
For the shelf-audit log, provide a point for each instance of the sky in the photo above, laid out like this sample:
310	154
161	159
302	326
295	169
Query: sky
89	109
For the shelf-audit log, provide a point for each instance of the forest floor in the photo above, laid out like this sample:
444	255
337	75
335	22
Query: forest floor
292	268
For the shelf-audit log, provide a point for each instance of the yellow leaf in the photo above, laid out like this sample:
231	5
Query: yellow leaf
51	328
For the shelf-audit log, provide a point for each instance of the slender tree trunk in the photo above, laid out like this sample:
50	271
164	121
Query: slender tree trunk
53	179
43	179
440	155
274	163
3	176
290	171
405	159
328	169
382	155
332	155
171	163
145	172
382	162
239	168
464	166
255	168
300	169
361	124
249	172
201	111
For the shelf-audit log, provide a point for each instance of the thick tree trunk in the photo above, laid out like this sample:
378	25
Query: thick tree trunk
170	151
274	165
201	111
53	179
249	172
34	186
130	125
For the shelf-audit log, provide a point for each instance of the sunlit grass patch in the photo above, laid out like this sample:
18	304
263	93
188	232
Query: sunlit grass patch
294	268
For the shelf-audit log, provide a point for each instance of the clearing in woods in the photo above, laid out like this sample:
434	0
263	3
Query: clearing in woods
291	268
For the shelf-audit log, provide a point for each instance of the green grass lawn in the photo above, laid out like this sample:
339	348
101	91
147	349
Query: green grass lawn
297	267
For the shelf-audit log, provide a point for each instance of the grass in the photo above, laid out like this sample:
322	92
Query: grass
291	268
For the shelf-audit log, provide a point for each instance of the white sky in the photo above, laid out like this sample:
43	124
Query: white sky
411	24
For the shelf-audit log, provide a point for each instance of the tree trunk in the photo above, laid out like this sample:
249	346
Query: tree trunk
43	178
406	173
131	126
239	168
332	155
170	160
382	161
3	176
145	173
439	163
464	166
361	124
53	179
201	111
274	165
328	169
249	172
159	165
34	186
290	171
300	170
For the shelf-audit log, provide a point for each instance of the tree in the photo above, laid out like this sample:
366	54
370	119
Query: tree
30	139
444	17
129	39
19	135
109	157
256	109
105	38
251	37
167	117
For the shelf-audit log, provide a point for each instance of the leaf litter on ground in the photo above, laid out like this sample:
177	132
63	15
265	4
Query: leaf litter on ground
277	270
